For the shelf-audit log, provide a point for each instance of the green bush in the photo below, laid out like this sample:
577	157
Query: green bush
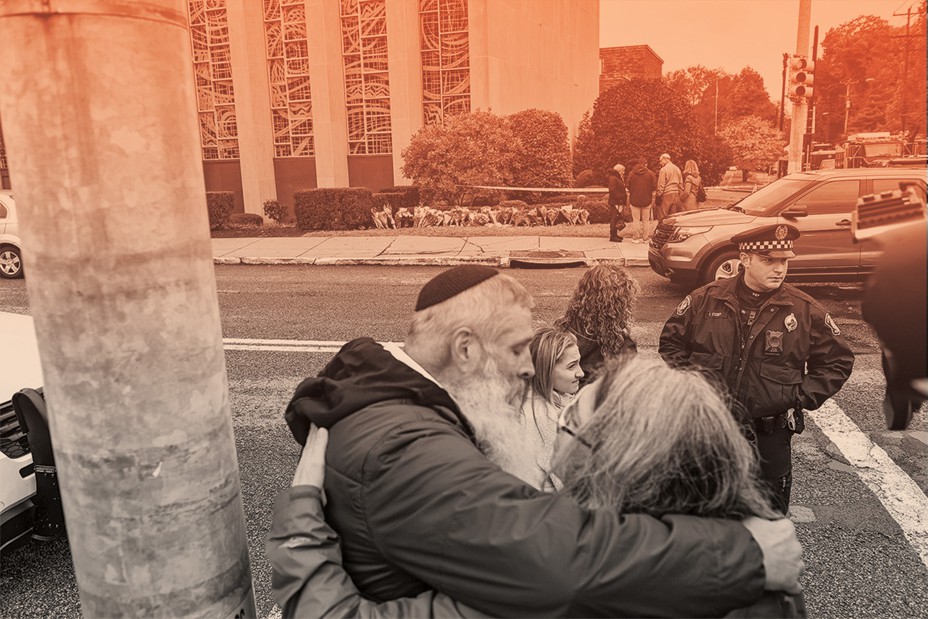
410	193
394	200
246	219
584	178
598	209
219	205
338	208
542	149
274	210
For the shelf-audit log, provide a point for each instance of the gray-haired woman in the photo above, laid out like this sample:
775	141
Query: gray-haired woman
643	438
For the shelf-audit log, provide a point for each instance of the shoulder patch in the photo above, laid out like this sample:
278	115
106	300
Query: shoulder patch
684	305
831	324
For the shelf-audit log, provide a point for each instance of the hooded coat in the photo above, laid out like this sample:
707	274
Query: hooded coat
641	184
419	506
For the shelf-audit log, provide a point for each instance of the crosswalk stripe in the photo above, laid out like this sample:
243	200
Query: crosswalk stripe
898	493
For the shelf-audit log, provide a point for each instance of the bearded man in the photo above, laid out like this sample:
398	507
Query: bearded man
422	482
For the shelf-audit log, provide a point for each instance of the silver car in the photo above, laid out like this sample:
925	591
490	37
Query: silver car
11	255
694	248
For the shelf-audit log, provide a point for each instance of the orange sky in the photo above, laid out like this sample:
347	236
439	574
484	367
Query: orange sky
729	34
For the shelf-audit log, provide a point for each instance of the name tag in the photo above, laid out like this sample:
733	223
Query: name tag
716	314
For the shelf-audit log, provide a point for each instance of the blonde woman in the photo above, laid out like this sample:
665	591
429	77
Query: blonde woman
692	182
556	358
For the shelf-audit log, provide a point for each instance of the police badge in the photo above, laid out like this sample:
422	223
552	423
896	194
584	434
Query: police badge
774	343
684	305
791	323
781	232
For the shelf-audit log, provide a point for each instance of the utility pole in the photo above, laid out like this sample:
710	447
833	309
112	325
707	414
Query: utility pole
810	121
904	98
783	90
800	107
102	138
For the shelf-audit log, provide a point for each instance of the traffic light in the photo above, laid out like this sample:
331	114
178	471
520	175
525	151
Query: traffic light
800	76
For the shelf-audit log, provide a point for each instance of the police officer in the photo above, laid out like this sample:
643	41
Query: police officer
775	349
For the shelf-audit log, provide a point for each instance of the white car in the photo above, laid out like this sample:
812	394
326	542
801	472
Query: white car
19	369
11	252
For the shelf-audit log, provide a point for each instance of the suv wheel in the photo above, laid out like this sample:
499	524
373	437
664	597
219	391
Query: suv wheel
725	265
11	262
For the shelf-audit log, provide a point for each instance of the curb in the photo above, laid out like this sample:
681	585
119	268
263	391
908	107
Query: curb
442	261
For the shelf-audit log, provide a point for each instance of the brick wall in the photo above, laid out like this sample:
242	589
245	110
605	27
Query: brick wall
631	61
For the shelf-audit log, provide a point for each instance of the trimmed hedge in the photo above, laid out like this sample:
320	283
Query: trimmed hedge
273	209
411	194
338	208
219	205
395	201
246	219
598	209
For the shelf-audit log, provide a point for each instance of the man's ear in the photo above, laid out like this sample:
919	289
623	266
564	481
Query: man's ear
464	348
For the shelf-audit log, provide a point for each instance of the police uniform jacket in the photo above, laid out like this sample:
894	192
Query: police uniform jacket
794	352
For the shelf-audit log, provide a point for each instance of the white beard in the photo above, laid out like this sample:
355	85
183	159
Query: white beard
489	403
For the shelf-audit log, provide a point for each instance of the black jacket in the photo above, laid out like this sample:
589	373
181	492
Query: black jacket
794	351
618	196
419	506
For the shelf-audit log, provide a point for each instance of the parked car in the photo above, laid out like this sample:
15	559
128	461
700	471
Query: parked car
19	369
695	247
11	256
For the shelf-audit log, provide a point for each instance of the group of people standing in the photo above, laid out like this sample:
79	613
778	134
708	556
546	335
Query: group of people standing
634	197
488	467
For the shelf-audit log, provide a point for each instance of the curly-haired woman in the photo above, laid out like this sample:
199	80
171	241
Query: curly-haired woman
599	314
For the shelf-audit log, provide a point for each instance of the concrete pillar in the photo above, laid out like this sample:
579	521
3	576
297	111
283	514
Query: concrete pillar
252	103
101	133
484	69
327	80
405	69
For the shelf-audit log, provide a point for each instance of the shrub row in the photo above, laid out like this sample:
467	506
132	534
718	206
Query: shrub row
219	205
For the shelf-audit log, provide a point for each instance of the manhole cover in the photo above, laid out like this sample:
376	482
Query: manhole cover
546	254
546	259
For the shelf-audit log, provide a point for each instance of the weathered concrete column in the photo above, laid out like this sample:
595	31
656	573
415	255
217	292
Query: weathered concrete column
101	133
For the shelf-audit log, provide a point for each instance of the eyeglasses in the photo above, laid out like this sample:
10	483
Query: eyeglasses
568	424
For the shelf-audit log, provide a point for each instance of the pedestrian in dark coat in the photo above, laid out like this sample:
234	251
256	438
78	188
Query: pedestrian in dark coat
618	198
642	184
775	349
417	488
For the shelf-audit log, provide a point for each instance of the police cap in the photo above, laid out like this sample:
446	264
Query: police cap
773	241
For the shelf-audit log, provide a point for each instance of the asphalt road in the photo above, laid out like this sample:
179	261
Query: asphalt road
863	558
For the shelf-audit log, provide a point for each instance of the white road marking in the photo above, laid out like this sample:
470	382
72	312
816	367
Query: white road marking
231	343
901	496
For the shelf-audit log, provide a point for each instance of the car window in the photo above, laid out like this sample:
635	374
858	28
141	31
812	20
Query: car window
3	213
759	202
832	198
892	184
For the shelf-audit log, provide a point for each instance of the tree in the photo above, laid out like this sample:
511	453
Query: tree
863	61
640	118
475	148
584	157
542	149
755	143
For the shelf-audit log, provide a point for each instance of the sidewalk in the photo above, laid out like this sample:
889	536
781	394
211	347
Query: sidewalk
400	250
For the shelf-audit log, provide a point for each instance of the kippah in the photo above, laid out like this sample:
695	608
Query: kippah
451	283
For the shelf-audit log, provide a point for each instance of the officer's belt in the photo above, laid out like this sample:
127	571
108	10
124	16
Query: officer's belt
771	423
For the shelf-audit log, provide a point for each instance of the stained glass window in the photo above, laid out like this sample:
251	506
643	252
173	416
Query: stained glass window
445	58
288	76
212	69
367	83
